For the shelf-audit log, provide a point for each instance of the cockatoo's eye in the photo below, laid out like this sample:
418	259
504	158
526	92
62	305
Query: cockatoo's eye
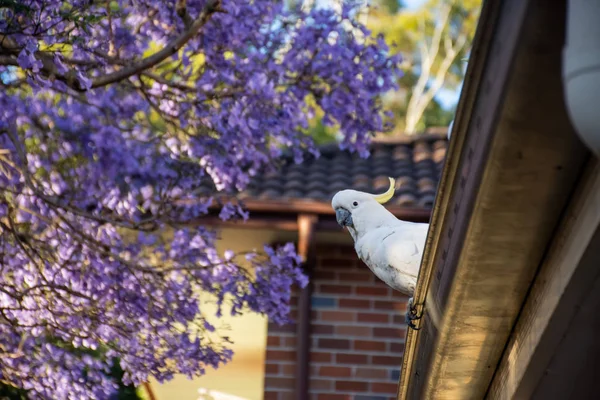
355	204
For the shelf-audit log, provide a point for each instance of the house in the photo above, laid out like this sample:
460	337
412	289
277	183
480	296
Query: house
348	339
513	253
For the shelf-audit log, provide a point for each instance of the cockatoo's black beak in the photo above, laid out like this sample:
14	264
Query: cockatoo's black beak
343	217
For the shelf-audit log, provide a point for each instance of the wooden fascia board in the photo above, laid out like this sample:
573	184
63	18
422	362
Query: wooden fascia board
444	196
567	275
517	160
415	214
280	216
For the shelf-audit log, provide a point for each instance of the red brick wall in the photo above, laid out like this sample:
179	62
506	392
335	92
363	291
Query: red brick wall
357	335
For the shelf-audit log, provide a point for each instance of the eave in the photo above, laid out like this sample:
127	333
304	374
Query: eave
283	215
512	165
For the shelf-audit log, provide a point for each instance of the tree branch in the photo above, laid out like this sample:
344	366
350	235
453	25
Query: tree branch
181	9
49	67
414	110
211	7
428	95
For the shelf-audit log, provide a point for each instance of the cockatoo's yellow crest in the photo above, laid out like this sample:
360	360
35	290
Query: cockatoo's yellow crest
385	197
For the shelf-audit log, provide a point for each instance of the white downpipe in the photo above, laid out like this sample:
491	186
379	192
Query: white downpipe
581	70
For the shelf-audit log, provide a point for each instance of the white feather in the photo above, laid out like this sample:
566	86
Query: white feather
390	247
393	252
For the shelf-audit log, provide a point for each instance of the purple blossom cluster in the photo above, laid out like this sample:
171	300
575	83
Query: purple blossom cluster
111	114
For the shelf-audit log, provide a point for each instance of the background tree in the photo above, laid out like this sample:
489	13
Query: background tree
112	114
433	39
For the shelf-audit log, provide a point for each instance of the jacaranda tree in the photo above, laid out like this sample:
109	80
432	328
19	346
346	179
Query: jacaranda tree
111	115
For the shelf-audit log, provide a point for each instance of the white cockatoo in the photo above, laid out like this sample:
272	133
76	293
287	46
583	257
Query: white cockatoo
391	248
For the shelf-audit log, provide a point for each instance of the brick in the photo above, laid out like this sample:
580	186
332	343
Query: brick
351	359
320	384
287	395
399	306
288	328
271	395
387	360
316	356
397	347
372	291
359	397
337	316
340	344
355	276
322	302
336	372
279	383
371	373
333	396
273	341
294	317
360	331
272	369
328	249
353	386
354	303
281	355
320	275
395	374
395	333
373	317
336	263
321	329
289	341
369	345
334	289
383	387
399	295
288	369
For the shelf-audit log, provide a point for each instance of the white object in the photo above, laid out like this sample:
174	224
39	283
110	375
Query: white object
208	394
581	70
390	247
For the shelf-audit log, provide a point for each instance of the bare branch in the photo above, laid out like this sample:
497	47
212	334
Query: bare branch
421	96
181	9
440	76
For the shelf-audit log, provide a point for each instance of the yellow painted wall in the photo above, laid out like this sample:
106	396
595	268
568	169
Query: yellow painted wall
244	376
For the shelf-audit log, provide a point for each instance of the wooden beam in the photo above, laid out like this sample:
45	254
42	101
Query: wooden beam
306	250
258	207
567	276
149	391
278	221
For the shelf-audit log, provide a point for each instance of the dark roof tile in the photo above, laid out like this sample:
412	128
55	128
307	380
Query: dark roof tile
416	163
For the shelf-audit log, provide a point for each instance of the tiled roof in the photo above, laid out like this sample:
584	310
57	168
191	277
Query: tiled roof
416	163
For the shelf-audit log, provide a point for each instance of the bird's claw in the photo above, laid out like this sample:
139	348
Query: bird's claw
412	315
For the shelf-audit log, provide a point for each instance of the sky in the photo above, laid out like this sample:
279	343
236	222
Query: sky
413	3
